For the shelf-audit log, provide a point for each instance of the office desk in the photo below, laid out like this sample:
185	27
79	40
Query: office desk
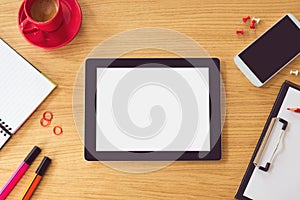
212	23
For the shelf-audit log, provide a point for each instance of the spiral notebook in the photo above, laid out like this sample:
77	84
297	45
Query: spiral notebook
23	88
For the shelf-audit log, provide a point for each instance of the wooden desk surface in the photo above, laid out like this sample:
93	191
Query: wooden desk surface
212	23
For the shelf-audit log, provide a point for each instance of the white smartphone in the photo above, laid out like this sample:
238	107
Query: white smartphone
271	52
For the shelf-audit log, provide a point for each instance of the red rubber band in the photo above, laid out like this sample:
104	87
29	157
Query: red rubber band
55	130
44	120
45	115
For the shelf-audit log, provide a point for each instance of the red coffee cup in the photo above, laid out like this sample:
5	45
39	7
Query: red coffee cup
42	15
49	24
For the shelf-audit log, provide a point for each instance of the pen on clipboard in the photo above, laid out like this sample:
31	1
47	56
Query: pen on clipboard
17	175
33	184
297	110
258	157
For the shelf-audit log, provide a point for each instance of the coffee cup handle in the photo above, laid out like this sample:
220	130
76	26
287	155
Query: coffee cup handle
27	27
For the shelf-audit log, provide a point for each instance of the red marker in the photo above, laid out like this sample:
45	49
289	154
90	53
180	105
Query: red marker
297	110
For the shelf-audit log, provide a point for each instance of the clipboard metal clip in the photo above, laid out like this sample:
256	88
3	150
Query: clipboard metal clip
258	157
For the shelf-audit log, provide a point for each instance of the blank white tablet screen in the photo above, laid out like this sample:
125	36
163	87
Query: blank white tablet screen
111	137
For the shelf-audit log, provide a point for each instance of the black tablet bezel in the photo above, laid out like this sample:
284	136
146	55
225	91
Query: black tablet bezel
90	152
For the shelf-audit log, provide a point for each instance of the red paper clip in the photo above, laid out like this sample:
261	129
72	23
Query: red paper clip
245	19
57	132
240	32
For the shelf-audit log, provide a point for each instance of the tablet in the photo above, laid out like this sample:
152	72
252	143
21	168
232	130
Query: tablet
152	109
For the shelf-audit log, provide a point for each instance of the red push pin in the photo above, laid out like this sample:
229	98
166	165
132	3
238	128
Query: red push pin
245	19
252	26
240	32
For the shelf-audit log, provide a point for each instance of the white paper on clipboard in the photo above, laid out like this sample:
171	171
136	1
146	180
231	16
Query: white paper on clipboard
282	181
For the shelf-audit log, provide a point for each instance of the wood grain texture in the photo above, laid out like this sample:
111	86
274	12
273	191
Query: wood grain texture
211	23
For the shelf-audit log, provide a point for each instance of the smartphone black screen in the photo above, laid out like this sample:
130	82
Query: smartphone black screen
273	50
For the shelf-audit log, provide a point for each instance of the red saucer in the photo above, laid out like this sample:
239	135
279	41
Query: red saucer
62	36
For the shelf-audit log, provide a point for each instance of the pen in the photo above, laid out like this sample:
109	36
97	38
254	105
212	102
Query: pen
17	175
36	179
297	110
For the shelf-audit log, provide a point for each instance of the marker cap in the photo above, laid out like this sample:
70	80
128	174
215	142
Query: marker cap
43	166
32	155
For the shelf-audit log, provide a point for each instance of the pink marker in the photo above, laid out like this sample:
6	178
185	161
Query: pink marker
17	175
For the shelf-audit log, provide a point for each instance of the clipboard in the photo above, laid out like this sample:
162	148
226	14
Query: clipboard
262	170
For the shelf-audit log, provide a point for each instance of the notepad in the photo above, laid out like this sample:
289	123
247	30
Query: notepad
23	88
282	179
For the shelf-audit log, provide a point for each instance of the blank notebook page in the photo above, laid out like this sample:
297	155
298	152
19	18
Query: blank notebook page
22	87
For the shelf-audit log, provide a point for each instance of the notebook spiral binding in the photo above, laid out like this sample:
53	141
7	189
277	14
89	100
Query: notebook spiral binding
5	127
5	133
